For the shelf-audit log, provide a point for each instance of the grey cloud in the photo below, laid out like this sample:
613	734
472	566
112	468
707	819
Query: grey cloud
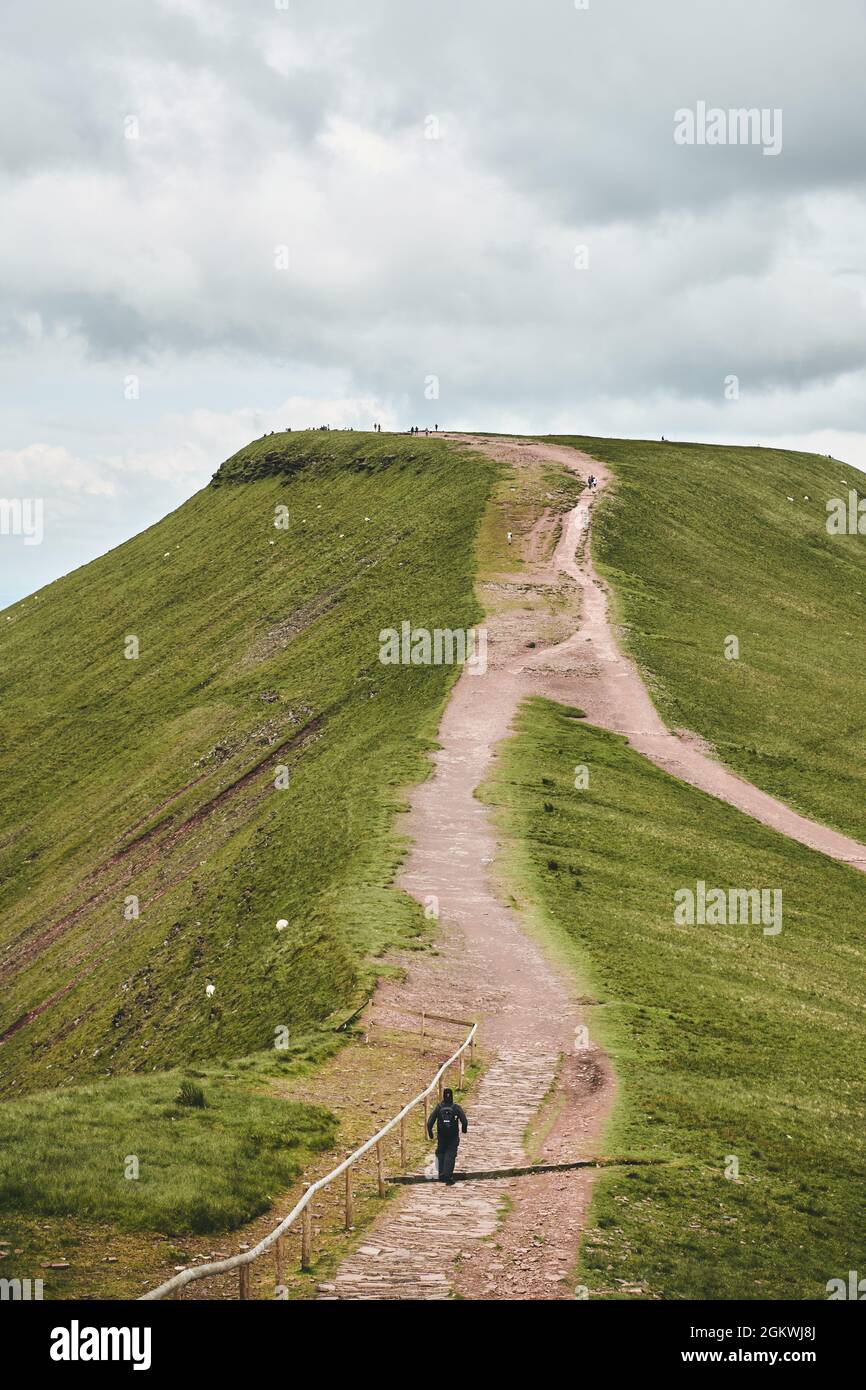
455	258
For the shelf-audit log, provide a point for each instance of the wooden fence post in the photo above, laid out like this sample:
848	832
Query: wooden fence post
379	1174
403	1143
425	1116
280	1261
243	1281
462	1070
306	1236
472	1048
349	1210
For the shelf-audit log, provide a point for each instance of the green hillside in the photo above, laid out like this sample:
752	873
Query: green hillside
169	800
726	1042
700	543
157	777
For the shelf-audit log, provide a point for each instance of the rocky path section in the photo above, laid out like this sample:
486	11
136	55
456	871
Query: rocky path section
415	1246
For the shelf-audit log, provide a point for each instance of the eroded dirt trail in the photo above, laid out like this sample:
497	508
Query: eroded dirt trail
590	671
487	967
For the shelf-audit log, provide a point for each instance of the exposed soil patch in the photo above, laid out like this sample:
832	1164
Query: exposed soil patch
278	637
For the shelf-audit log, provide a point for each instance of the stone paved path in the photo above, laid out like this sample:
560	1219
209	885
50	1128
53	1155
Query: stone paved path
412	1252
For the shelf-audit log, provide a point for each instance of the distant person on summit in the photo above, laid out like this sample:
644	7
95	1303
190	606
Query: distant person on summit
449	1119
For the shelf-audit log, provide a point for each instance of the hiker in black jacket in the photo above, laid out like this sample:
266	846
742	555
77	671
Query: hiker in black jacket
449	1120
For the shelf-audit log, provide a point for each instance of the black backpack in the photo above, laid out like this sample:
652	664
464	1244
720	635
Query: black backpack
447	1118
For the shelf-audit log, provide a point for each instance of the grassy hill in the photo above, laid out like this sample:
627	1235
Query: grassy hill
702	542
244	768
726	1042
166	807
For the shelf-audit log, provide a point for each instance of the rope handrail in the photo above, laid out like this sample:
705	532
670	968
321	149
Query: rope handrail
247	1257
423	1014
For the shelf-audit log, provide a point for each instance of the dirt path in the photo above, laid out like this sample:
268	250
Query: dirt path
590	671
430	1243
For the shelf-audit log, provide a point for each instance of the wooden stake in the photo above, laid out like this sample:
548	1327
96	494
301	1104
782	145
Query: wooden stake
243	1281
403	1143
280	1261
306	1238
349	1210
462	1070
379	1174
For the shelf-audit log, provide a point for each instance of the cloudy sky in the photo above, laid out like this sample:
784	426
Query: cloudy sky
221	217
